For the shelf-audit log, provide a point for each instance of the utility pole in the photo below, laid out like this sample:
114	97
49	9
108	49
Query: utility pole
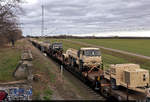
42	27
31	31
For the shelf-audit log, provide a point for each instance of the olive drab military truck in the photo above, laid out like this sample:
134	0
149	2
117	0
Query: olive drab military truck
56	49
85	58
56	46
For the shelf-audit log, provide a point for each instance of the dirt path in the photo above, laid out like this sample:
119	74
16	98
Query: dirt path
113	50
70	88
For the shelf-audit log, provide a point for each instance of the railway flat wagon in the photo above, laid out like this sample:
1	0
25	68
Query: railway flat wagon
127	81
122	81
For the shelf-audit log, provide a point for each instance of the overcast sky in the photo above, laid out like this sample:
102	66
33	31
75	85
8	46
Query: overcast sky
87	17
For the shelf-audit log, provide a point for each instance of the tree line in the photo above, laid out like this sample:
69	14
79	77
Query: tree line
87	37
9	28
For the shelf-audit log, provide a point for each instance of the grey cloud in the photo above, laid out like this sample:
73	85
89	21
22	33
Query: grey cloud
83	16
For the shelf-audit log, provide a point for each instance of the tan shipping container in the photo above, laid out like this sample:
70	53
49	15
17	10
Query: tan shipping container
136	77
131	73
118	69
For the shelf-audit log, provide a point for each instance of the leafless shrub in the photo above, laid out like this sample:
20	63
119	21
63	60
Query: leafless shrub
9	29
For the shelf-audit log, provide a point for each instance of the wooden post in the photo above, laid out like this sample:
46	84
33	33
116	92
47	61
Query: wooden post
61	70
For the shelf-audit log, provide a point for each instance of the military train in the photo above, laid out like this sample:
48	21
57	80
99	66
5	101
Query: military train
121	81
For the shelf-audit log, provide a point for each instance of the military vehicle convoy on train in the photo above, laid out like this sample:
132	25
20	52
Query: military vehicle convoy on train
85	58
86	61
122	81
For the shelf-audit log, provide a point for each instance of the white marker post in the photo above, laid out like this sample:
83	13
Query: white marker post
61	68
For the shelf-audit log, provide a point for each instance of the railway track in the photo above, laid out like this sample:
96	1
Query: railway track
88	88
96	94
104	88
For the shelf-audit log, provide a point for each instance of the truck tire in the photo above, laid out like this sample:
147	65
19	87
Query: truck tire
63	59
104	91
81	65
113	84
69	60
72	62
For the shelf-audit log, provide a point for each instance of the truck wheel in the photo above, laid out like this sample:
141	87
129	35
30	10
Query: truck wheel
113	83
84	80
72	63
104	91
69	61
81	65
63	59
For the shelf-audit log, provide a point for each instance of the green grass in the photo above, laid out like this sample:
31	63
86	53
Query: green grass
9	58
44	66
107	58
47	94
139	46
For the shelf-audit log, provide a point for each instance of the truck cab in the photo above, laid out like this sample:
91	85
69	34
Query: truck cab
56	46
90	57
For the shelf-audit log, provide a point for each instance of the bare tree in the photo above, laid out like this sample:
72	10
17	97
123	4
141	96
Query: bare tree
9	30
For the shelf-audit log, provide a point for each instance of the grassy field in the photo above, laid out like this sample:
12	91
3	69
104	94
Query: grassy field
108	56
42	68
139	46
9	58
41	88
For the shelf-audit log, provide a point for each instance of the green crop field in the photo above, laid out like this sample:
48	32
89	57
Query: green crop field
108	57
139	46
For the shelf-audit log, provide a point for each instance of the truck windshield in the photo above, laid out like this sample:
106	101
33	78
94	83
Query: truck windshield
92	53
58	45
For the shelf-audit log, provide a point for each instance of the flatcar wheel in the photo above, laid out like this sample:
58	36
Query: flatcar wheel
104	91
84	80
